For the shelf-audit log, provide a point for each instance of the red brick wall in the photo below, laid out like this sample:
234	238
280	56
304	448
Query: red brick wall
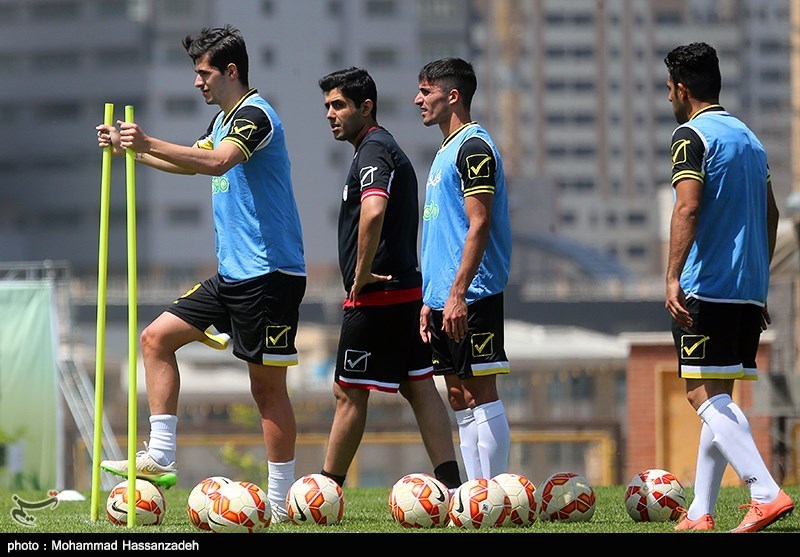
646	359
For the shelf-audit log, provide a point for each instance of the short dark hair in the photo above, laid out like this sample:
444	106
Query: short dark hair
696	66
452	73
224	45
355	83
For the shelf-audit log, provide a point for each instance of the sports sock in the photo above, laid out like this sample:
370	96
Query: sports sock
338	479
468	442
734	439
162	443
708	475
281	478
447	473
494	438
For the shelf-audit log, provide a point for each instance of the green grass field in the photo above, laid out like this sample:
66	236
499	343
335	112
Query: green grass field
366	511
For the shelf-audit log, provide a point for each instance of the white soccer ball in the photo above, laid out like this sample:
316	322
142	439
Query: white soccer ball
197	503
522	496
315	499
150	504
565	496
419	501
238	507
654	495
479	503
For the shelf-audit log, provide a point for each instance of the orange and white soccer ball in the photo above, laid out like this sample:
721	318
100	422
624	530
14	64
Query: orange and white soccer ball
419	501
654	495
479	503
522	496
197	503
150	504
315	499
565	496
238	507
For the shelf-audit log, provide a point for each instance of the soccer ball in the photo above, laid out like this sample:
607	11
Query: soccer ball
315	499
238	507
150	504
522	496
479	503
197	504
419	501
654	496
565	496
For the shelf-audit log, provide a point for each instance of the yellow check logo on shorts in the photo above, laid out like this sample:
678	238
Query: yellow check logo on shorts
482	345
693	347
278	336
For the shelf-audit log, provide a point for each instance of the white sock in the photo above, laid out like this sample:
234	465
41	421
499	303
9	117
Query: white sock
162	443
281	478
734	439
708	476
468	442
494	438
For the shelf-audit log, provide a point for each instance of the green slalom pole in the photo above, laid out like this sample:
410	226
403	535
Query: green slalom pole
102	271
130	186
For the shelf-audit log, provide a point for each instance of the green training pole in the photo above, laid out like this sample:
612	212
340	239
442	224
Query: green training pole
130	186
102	270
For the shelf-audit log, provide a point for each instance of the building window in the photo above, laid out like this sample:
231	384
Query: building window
556	151
58	111
112	8
335	157
55	11
637	251
637	219
335	57
582	19
184	216
381	8
9	62
567	219
69	219
117	57
180	106
176	55
388	107
381	57
64	60
439	8
177	7
8	14
268	56
335	8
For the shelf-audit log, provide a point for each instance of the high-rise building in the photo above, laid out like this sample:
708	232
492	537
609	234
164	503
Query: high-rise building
573	93
577	91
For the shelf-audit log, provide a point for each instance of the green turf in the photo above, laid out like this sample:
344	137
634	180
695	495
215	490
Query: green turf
366	511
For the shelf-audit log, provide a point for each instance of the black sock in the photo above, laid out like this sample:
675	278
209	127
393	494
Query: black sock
338	479
447	473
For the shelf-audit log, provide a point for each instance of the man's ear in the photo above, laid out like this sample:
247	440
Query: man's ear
682	91
231	70
453	96
366	107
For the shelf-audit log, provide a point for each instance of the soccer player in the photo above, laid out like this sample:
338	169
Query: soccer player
379	346
254	297
466	256
722	238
